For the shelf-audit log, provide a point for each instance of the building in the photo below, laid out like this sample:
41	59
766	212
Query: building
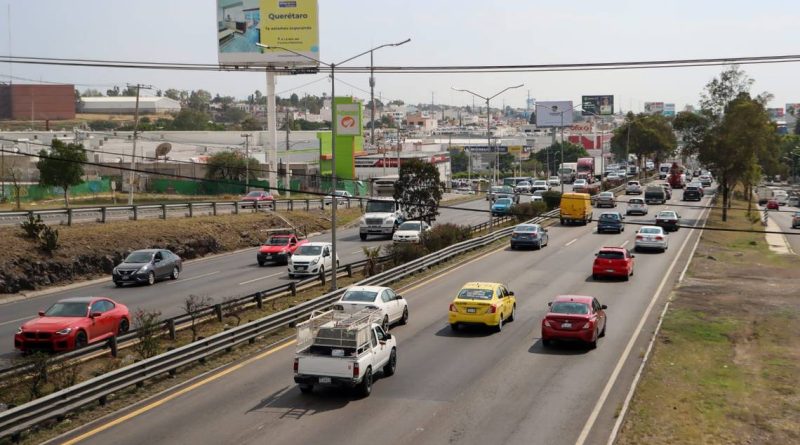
127	105
37	102
422	122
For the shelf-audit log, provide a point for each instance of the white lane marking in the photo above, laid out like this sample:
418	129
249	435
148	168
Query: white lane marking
357	251
624	357
623	244
14	321
565	245
193	278
260	278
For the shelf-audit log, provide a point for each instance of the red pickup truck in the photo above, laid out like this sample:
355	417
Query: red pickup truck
278	248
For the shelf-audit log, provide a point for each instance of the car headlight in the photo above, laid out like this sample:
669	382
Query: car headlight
363	220
143	269
314	261
64	331
115	271
19	330
388	219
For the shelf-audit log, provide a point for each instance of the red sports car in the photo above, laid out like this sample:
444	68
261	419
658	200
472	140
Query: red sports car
574	317
613	262
257	198
73	323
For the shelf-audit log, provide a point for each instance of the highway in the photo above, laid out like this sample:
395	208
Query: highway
217	277
470	387
784	221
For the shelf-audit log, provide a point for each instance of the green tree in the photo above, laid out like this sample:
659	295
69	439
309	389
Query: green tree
459	161
506	163
294	100
720	91
233	115
418	189
251	124
646	136
552	155
189	119
199	100
230	166
692	128
62	166
129	91
90	92
173	94
113	92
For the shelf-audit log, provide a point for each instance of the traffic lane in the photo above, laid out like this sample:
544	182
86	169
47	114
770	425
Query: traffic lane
470	387
218	277
784	221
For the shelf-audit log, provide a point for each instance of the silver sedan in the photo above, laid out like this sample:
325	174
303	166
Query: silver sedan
651	237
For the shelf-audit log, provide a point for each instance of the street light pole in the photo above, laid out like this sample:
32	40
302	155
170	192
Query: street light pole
333	66
372	99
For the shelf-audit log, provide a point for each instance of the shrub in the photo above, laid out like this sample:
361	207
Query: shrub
528	210
48	238
33	226
552	199
443	235
403	253
148	328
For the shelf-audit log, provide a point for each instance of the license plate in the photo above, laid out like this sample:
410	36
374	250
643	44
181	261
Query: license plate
566	325
300	267
324	379
610	270
374	227
126	278
470	310
269	256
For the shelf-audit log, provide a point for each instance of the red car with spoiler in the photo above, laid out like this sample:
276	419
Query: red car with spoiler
279	248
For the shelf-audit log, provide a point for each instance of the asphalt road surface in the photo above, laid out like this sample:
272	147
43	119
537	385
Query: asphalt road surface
217	277
470	387
784	220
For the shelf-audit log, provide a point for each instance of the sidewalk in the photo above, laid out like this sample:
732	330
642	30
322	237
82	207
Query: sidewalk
777	242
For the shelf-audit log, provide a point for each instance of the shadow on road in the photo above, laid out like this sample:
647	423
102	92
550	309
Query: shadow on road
290	403
465	331
559	348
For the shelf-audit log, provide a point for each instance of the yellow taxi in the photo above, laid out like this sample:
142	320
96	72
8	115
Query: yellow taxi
481	303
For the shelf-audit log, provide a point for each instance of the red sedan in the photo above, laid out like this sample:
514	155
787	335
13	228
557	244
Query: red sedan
73	323
773	204
574	317
613	262
258	198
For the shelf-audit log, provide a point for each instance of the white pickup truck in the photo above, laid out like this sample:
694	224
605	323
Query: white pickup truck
346	350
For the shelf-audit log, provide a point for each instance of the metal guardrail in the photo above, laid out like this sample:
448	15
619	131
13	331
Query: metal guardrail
23	417
102	214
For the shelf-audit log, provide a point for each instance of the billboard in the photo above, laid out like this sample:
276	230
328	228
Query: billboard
669	110
554	113
291	24
597	105
348	120
654	107
793	109
775	113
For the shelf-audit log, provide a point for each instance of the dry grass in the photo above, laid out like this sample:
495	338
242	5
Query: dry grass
727	360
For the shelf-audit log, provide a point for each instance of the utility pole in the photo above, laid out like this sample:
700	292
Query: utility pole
135	135
372	99
246	137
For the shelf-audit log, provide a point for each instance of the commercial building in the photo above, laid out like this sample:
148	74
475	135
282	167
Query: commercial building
37	102
127	105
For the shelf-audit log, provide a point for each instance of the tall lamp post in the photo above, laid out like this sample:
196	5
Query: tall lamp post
489	121
333	66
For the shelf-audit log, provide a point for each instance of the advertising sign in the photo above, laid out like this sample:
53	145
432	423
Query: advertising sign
793	109
654	107
597	105
554	113
347	120
775	113
669	110
581	127
291	24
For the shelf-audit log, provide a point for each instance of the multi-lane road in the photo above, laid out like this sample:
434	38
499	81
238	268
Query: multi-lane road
468	387
218	277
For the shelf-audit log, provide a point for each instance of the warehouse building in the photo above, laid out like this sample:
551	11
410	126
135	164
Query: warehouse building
37	102
127	105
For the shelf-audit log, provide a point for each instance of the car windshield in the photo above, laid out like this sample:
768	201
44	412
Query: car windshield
635	202
539	182
611	255
309	250
538	193
504	201
415	226
526	229
579	182
340	193
498	188
139	257
633	183
667	215
278	241
609	217
569	307
254	194
606	195
523	183
475	294
68	310
363	296
380	206
650	230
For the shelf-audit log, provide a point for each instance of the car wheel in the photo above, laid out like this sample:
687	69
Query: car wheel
513	312
124	325
175	273
118	283
454	326
151	278
595	277
538	246
499	326
365	387
562	221
546	342
404	318
513	247
603	332
291	276
362	236
385	324
81	340
391	365
261	263
593	343
305	388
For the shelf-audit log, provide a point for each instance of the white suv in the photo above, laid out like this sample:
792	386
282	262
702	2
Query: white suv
312	259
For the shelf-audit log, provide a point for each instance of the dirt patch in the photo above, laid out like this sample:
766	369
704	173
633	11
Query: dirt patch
92	250
726	361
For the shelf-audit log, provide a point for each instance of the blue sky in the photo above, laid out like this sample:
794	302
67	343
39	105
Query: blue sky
443	32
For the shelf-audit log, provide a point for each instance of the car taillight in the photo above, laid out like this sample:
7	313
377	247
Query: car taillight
546	322
659	238
296	364
492	309
355	370
640	237
453	308
588	325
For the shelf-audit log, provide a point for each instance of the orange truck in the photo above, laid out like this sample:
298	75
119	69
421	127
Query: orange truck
676	178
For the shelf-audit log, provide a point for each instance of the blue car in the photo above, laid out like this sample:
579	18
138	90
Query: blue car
610	222
502	207
532	235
